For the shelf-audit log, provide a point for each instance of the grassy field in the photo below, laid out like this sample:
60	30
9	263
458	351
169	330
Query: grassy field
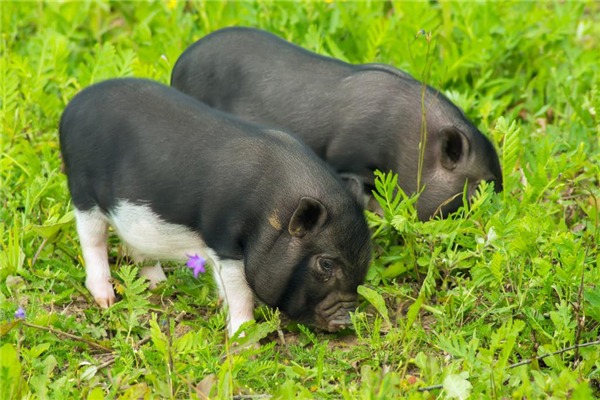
500	301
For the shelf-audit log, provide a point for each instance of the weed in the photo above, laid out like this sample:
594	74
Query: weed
499	300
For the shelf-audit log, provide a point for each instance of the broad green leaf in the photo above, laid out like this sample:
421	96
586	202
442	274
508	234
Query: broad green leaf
88	373
159	339
592	298
96	394
50	230
395	269
376	301
13	385
36	351
139	391
510	150
457	386
253	333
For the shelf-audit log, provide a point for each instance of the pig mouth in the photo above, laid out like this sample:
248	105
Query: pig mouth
333	313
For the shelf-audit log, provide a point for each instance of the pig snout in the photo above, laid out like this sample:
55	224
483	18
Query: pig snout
333	312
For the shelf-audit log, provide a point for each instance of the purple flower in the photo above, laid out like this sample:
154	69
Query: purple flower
20	313
196	263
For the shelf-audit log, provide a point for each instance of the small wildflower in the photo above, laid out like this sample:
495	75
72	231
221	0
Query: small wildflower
196	263
20	313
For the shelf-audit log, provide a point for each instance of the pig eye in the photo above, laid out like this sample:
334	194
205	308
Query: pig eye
326	265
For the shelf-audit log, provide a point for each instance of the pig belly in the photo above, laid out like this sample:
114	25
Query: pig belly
147	236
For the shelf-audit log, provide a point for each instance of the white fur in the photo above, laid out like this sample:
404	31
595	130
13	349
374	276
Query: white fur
236	293
154	274
147	236
92	228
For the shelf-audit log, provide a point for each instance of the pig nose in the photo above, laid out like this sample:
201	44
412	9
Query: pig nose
341	322
333	313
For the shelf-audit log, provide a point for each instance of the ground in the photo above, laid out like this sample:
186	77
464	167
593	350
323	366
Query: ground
501	300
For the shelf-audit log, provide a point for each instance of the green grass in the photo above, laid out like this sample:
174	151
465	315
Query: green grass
498	301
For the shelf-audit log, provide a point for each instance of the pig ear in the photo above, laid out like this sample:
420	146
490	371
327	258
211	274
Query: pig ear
454	147
309	215
356	187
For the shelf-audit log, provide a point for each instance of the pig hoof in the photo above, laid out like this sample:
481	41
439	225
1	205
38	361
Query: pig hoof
103	293
233	328
105	302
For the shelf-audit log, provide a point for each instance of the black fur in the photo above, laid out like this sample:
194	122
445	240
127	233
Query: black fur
224	178
356	117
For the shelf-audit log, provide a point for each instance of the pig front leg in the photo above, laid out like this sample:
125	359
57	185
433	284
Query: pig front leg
236	294
92	228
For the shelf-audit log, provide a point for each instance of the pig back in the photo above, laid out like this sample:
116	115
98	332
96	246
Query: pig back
195	166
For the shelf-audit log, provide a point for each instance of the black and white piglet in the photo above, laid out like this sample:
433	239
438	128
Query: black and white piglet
176	178
358	118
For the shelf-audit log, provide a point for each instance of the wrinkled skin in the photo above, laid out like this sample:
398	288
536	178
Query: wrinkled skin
358	118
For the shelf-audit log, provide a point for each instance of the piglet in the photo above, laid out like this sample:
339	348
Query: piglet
175	178
359	118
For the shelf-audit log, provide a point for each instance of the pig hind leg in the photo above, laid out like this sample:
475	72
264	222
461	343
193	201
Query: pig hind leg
154	274
92	228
